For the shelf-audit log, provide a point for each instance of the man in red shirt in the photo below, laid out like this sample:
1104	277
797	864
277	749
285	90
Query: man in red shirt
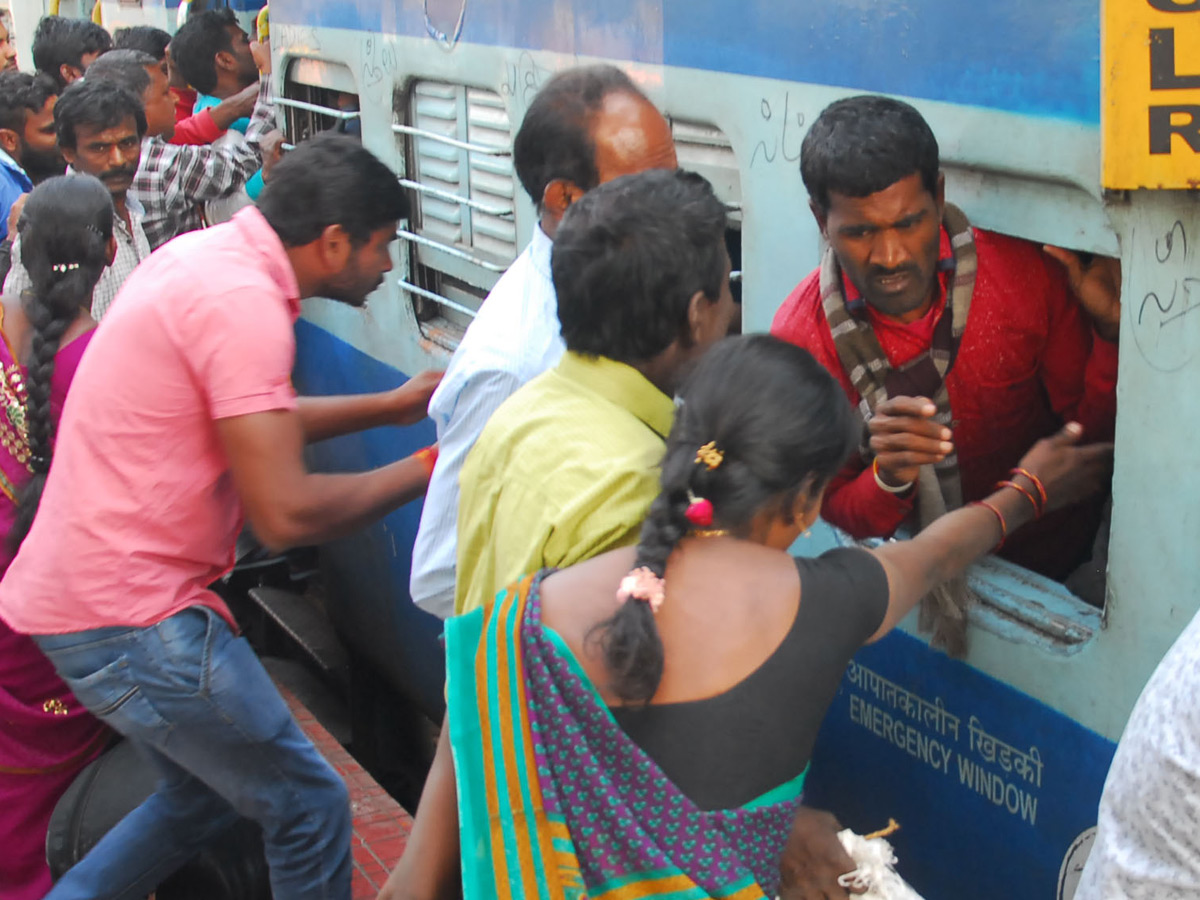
960	346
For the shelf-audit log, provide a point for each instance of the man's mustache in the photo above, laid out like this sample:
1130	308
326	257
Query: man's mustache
880	272
116	174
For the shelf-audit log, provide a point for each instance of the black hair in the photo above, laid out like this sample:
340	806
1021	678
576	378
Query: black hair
146	38
785	428
555	139
331	179
628	257
124	68
22	94
196	44
65	230
97	104
860	145
58	42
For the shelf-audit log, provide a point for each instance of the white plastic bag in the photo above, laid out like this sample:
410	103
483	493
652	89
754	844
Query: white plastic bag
875	859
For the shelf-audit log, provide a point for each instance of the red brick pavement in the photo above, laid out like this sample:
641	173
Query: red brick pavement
381	825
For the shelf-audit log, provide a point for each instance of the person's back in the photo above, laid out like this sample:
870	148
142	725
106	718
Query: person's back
564	469
755	643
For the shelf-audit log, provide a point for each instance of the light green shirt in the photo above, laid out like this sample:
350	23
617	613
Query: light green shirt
565	469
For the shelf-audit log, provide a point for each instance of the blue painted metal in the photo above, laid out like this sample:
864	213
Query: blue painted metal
367	574
1025	56
972	824
237	5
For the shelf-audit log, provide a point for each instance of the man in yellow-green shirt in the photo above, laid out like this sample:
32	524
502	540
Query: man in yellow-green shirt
567	467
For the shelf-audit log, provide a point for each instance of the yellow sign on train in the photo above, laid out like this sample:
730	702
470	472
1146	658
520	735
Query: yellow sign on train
1150	95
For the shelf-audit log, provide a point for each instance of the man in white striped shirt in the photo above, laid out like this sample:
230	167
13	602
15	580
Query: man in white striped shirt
586	126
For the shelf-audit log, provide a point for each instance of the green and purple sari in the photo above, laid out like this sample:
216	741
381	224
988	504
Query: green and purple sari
557	803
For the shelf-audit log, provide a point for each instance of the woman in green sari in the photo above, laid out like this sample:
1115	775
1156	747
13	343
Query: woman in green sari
640	724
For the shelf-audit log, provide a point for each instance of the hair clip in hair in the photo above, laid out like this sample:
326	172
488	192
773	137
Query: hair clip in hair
64	267
699	511
642	584
710	455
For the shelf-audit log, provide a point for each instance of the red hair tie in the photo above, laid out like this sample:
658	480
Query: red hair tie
699	511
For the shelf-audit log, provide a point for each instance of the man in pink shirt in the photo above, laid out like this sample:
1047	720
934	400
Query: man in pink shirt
182	415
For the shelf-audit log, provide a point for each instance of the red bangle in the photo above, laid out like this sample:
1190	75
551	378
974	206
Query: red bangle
999	517
1037	482
428	457
1037	509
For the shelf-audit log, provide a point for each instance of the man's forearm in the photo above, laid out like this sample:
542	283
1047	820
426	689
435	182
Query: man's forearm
328	417
327	507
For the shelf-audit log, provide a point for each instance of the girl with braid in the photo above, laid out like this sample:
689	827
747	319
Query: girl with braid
46	736
641	723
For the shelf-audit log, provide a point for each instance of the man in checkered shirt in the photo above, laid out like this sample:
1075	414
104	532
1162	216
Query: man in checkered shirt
173	181
100	129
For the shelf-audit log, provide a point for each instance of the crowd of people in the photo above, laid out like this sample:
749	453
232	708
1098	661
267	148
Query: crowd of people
618	478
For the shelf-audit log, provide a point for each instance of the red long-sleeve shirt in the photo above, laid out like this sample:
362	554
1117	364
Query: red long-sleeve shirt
1029	360
192	129
197	129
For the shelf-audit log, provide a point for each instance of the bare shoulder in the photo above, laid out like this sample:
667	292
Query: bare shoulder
576	598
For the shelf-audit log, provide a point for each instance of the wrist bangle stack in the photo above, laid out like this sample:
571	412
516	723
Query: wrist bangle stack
883	485
999	518
1037	507
428	457
1035	481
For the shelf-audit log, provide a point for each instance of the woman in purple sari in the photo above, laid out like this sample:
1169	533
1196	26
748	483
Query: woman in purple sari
46	736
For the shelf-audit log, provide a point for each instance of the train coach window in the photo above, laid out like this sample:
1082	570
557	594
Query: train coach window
705	149
318	96
463	232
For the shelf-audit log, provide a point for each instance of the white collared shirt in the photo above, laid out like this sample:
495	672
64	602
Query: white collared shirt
514	338
132	248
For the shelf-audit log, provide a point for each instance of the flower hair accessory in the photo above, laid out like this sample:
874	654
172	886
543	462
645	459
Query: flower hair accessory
699	511
642	584
64	267
710	456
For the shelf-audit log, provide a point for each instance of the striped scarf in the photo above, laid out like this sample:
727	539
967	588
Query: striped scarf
939	486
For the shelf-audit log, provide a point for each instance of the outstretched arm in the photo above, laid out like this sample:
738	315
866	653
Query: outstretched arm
430	868
953	542
286	504
327	417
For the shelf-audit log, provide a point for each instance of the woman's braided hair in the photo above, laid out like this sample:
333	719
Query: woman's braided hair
65	229
783	426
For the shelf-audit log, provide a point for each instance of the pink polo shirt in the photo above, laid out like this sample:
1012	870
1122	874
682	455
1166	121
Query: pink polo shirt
140	514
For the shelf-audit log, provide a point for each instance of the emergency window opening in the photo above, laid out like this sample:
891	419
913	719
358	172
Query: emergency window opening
1065	608
1060	613
330	104
1014	602
457	143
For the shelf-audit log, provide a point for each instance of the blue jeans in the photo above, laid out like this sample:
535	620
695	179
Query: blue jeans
199	705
